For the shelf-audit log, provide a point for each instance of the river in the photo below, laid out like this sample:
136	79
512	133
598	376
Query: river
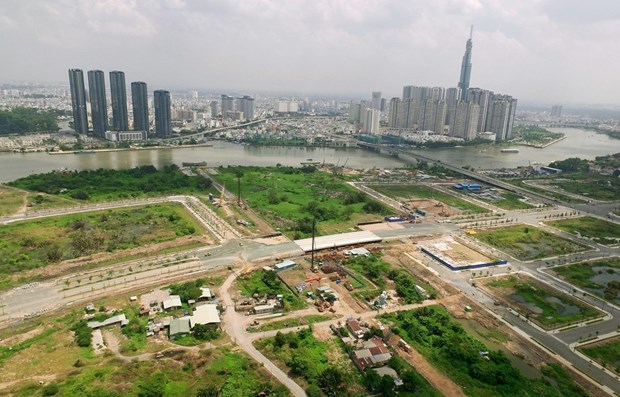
578	143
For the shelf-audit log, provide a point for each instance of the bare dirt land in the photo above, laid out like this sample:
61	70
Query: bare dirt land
455	252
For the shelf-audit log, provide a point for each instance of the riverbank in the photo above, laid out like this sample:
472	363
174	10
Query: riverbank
107	150
542	146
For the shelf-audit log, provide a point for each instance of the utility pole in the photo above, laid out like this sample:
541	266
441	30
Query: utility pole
313	235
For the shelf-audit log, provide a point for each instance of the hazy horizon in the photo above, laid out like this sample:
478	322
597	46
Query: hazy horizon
550	51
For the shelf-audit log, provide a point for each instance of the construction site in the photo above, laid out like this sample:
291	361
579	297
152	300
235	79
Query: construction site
457	254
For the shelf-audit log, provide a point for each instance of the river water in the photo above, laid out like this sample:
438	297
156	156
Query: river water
578	143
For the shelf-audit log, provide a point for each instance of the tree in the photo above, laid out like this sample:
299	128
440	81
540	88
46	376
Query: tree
331	381
206	332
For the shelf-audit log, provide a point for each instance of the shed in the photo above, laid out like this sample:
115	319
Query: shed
205	314
118	319
284	265
355	328
179	327
205	294
174	302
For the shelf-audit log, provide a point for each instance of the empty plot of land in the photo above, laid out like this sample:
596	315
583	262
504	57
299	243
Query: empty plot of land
406	192
597	230
539	302
600	277
455	252
527	242
605	352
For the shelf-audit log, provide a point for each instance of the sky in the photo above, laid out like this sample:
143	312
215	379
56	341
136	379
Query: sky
548	51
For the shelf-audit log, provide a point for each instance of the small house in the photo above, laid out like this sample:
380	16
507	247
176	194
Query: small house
264	309
205	314
205	294
174	302
355	328
118	319
179	327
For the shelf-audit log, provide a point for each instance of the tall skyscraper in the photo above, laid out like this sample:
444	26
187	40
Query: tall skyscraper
119	101
465	120
228	104
163	128
376	100
213	106
482	97
140	105
245	105
98	104
78	101
556	111
466	66
501	116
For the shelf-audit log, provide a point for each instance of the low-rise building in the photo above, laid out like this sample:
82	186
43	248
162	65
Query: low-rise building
205	314
179	327
284	265
355	328
375	353
174	302
118	319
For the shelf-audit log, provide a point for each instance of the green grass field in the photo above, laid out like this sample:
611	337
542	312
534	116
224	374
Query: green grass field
545	192
11	200
540	303
599	230
289	198
606	353
41	242
583	274
426	192
527	242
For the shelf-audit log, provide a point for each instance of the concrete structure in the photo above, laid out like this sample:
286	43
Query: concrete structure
501	116
140	106
78	101
466	66
98	104
173	302
338	240
371	121
482	98
205	314
213	107
163	127
464	120
119	101
245	105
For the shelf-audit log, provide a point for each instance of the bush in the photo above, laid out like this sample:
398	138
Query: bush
83	333
51	390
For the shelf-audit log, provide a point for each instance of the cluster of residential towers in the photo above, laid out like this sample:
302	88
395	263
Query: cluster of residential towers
460	111
119	130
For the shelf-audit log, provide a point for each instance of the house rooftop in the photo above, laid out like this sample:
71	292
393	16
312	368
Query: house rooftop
172	302
205	314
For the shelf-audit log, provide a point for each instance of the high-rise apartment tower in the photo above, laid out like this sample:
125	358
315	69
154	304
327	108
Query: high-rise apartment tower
119	101
140	105
98	104
163	128
78	101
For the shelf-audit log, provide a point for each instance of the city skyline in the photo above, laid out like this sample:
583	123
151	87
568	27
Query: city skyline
549	51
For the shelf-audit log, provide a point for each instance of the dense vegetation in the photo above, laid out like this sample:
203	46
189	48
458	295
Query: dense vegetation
290	198
24	120
526	242
599	230
82	333
377	271
534	135
572	164
107	184
40	242
447	345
